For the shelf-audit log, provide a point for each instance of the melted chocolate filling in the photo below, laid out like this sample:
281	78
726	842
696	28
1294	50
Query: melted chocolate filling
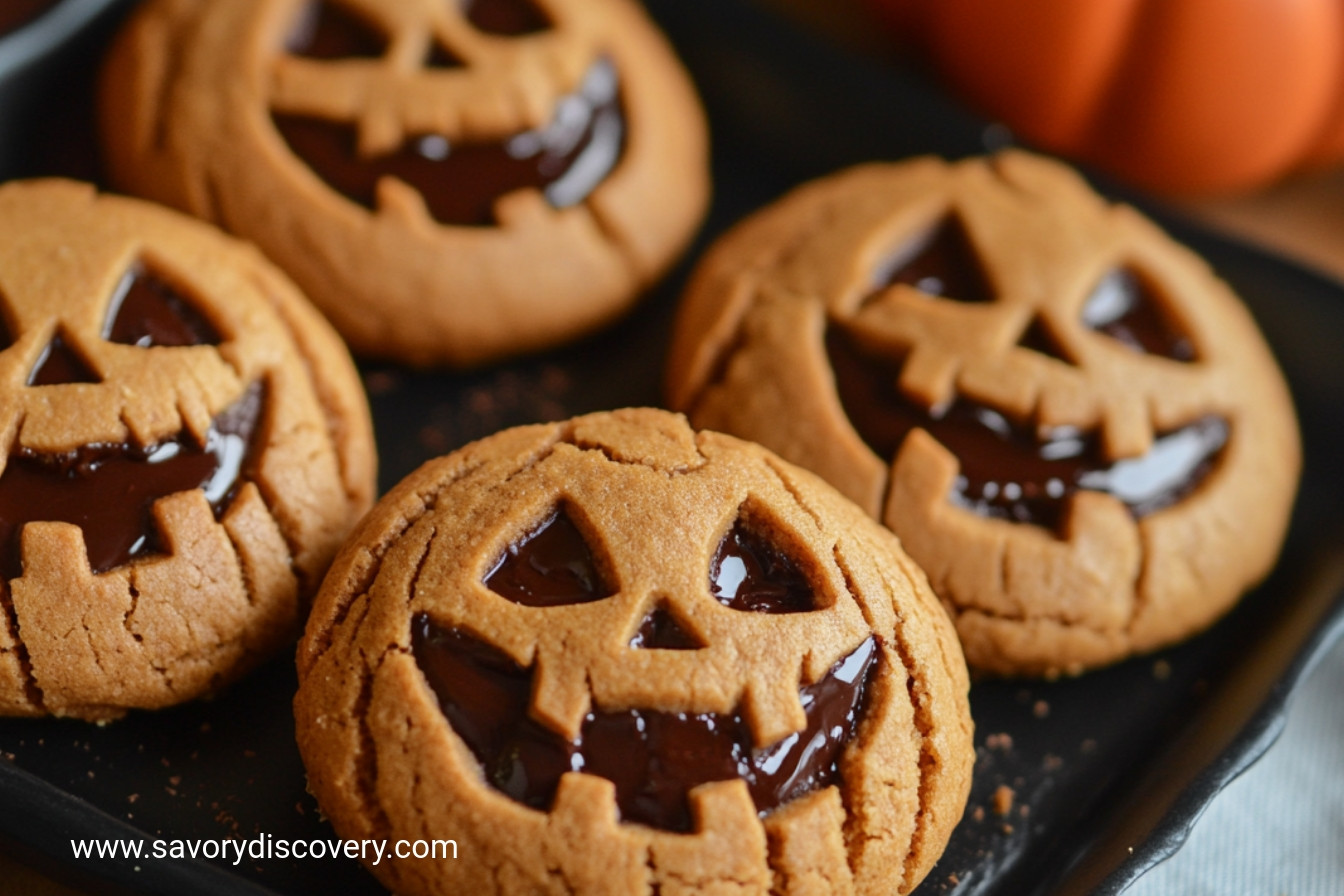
1007	469
654	758
566	160
749	573
941	262
551	566
146	311
60	364
507	18
661	631
327	31
1123	307
109	490
14	14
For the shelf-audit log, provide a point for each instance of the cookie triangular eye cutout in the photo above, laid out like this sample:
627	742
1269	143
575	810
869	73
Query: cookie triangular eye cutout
940	262
507	18
60	364
660	630
750	572
327	31
6	340
147	311
1039	338
1124	307
549	566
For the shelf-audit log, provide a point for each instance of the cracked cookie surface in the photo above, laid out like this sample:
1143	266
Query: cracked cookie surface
1072	424
525	639
187	445
451	183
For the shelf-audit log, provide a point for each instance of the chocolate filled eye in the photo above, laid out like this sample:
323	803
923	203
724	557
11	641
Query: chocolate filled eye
749	573
940	262
550	566
653	758
507	18
59	364
147	311
328	31
1124	307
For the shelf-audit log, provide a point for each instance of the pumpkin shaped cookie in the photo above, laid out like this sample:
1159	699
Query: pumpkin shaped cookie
1074	427
451	182
187	445
613	655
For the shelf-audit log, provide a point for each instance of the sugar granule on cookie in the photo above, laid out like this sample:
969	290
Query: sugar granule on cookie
1073	425
451	183
614	655
187	445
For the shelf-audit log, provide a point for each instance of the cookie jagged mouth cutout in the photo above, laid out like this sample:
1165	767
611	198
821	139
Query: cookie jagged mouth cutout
109	490
653	758
460	181
1009	470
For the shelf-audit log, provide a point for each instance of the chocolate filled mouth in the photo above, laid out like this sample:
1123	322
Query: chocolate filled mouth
461	181
653	758
109	490
1009	469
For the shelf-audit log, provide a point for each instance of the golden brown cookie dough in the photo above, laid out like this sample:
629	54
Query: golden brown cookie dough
187	446
386	156
1101	453
585	580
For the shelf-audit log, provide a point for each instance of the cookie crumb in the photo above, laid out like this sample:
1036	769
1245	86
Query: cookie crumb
1088	745
1040	709
1161	670
978	813
1003	799
1000	741
1052	763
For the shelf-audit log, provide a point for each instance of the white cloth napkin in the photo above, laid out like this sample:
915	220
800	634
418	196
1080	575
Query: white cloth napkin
1278	830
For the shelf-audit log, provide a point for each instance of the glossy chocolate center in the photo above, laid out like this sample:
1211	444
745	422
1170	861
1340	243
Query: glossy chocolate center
459	183
146	311
109	490
941	262
550	566
1124	307
1009	470
660	630
653	758
60	364
14	14
507	18
749	573
329	31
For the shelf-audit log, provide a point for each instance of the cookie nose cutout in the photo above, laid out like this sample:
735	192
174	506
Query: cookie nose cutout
1039	338
661	630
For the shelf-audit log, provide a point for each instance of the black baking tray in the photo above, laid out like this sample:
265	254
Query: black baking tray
1108	771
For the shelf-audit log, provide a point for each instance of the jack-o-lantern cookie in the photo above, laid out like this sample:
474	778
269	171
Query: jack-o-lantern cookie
186	446
1074	427
450	181
614	656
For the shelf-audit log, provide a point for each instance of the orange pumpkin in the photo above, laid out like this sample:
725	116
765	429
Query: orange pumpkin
1177	96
